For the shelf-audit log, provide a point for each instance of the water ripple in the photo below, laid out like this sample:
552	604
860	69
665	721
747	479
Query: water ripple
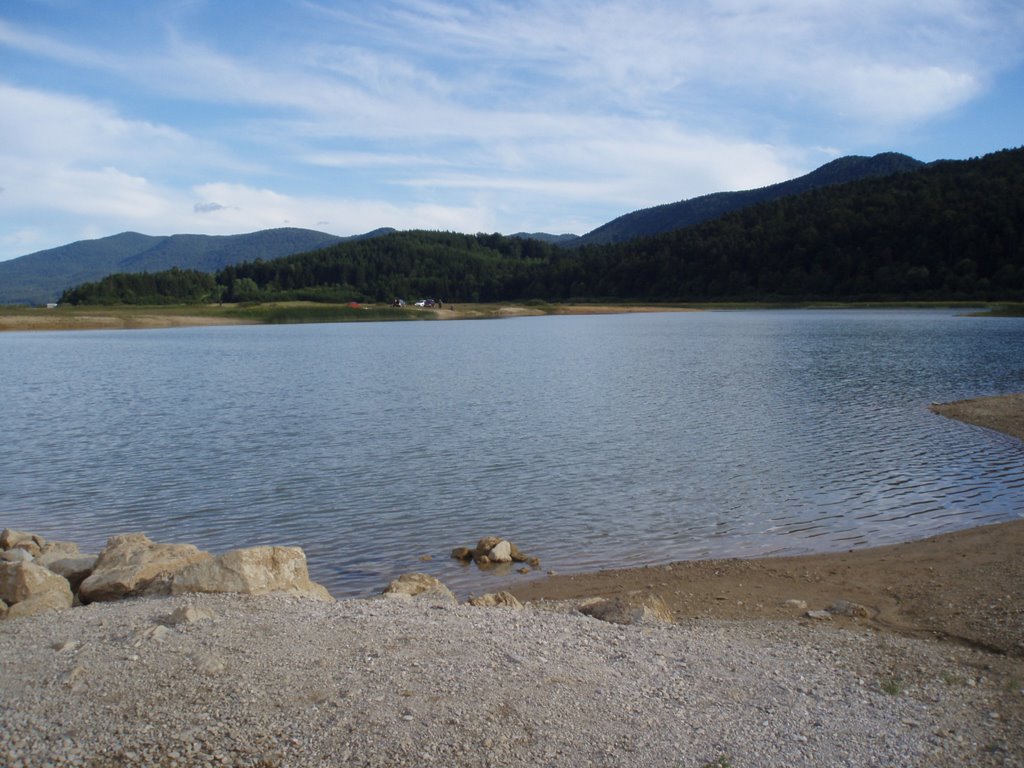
590	441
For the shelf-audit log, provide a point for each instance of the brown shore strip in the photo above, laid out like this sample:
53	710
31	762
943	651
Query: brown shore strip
130	317
966	587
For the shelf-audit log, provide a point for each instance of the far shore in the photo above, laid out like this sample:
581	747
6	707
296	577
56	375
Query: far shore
965	587
132	317
126	317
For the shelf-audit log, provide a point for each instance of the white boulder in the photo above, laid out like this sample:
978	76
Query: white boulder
251	571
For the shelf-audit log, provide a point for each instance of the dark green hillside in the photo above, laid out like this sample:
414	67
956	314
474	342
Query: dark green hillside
951	230
406	264
686	213
173	286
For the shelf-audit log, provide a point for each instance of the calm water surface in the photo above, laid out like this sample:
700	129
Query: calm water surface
589	441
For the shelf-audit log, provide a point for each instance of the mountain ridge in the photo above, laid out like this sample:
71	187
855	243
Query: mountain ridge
696	210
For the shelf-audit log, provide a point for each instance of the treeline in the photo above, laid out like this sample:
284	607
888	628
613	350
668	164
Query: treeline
953	230
174	286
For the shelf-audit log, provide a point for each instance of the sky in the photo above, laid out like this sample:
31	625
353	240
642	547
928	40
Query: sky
216	117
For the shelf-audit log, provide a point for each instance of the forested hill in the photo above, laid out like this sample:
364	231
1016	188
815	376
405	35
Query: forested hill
950	230
686	213
40	277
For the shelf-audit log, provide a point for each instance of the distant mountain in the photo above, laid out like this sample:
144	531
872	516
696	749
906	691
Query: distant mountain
42	276
544	237
673	216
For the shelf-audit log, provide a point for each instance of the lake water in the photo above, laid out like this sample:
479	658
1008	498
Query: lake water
589	441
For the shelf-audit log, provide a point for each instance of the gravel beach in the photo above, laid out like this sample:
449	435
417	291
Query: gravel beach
275	681
929	671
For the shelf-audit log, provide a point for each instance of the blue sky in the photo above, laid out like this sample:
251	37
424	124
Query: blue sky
217	117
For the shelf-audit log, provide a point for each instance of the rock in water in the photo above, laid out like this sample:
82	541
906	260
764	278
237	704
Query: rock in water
501	552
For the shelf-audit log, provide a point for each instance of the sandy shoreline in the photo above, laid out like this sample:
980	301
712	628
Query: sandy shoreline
132	318
965	586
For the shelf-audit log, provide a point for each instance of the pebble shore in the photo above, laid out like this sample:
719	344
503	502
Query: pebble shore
231	680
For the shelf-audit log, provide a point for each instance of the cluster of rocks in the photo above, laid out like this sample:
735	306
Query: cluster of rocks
38	576
634	608
495	550
425	587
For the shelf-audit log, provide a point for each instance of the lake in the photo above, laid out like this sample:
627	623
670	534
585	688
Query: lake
589	441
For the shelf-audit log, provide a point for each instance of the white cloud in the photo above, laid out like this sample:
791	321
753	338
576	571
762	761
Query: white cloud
58	129
14	36
903	94
246	208
475	116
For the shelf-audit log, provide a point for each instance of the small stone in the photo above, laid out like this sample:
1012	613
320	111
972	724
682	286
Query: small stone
67	645
426	558
818	615
462	553
795	605
846	608
208	664
73	679
188	614
157	633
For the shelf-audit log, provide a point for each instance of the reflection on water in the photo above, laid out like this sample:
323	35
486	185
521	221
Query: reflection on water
590	441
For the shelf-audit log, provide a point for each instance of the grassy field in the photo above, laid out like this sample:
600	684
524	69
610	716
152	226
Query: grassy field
66	318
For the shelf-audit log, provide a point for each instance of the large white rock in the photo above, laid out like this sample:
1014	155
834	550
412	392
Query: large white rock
25	581
252	571
132	564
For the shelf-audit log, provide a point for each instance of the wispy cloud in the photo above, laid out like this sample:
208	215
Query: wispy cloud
475	115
